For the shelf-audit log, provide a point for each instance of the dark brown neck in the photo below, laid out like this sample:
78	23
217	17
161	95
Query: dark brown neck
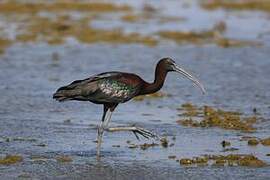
160	76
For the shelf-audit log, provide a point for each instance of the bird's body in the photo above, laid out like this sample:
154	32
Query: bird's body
112	88
108	87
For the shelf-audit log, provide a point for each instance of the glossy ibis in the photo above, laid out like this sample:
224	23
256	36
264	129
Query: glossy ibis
112	88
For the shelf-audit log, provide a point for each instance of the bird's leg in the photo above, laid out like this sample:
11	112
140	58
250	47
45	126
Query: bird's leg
100	130
136	130
107	114
108	118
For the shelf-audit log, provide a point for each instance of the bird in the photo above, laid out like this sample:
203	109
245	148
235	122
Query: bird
112	88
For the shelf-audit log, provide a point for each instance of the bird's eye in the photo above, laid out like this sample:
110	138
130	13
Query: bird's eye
171	63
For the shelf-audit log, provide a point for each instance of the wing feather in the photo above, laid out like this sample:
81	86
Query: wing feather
106	87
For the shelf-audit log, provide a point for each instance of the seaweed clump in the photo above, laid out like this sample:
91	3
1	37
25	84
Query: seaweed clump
193	37
163	143
4	43
59	6
143	146
211	36
63	159
11	159
150	96
132	18
253	142
237	160
147	145
225	160
146	16
251	161
189	110
56	31
266	141
194	161
218	118
185	161
261	5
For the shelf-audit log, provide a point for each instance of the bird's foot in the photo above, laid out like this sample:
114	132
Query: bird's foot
137	131
145	133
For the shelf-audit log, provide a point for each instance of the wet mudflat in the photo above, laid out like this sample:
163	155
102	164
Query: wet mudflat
47	139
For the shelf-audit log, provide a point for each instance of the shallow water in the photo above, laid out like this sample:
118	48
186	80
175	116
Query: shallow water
235	79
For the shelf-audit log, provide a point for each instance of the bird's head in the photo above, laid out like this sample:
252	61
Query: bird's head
169	65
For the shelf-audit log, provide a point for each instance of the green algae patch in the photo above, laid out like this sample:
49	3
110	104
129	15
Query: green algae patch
247	160
205	37
63	159
4	43
216	118
260	5
11	159
251	161
229	149
211	36
189	109
56	27
146	17
163	143
150	96
115	37
226	43
200	160
145	146
55	31
149	13
266	141
185	161
132	18
220	162
253	142
193	161
183	37
60	6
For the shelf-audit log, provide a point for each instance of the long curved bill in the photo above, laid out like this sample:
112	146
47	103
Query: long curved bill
180	70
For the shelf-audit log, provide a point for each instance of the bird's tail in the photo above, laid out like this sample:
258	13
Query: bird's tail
65	93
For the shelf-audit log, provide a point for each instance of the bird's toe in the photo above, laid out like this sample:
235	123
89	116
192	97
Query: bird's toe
145	133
